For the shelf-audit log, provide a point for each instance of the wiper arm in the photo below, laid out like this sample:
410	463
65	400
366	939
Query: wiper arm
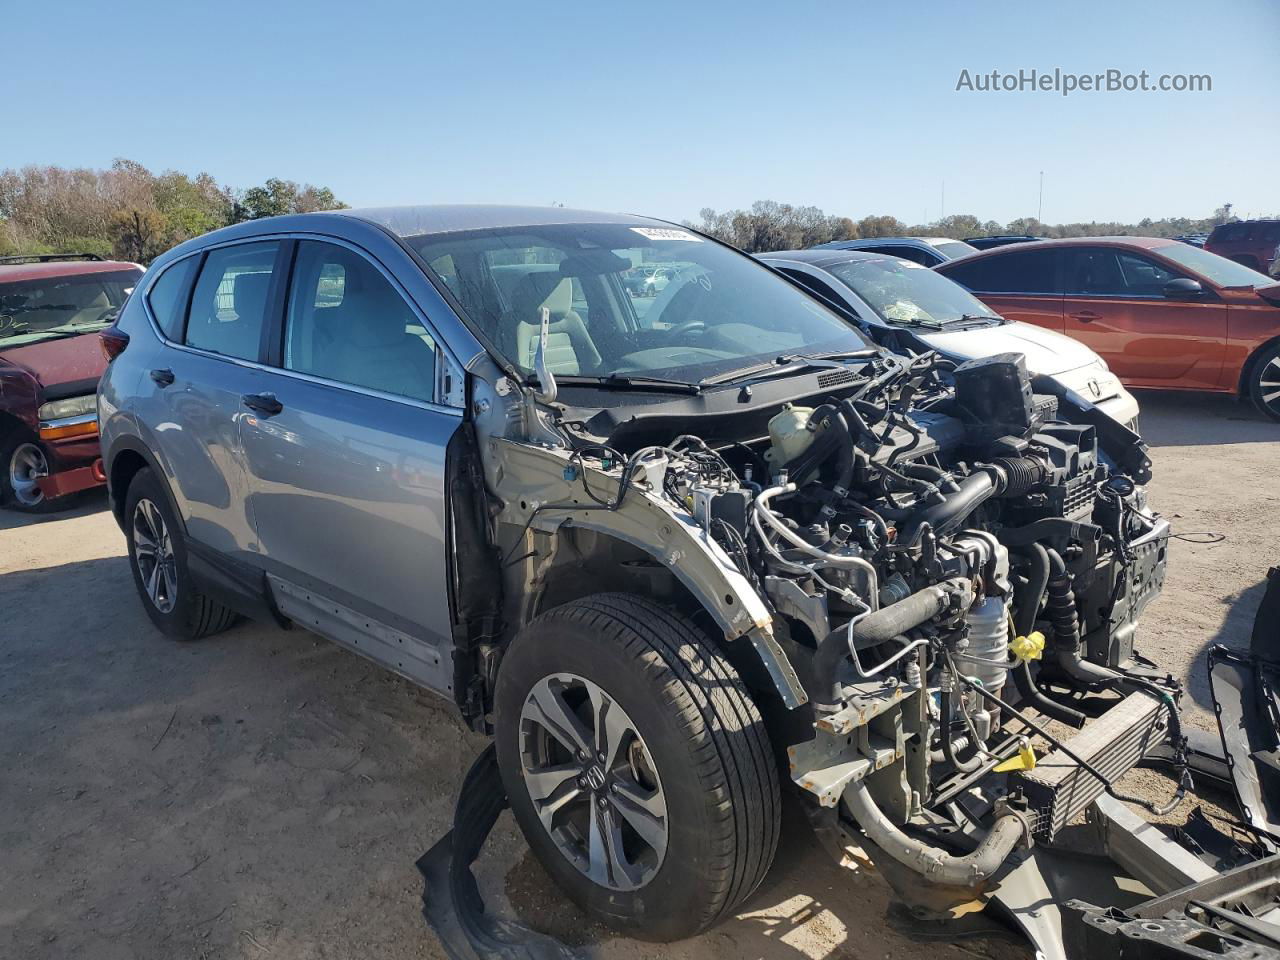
621	381
981	316
787	363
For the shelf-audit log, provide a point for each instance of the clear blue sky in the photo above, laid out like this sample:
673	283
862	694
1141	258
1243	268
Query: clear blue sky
660	108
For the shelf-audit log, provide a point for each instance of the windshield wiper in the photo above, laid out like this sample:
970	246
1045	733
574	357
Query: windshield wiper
623	381
785	364
933	324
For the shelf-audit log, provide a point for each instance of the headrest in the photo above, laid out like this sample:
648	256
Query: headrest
374	314
249	295
537	290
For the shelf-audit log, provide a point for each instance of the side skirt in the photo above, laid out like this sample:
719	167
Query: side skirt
413	658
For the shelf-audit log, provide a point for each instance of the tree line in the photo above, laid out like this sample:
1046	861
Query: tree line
769	225
129	213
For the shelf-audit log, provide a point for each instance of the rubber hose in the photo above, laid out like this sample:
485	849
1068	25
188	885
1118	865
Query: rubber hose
952	512
934	864
1060	607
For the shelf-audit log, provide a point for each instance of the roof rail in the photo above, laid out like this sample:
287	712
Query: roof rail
49	257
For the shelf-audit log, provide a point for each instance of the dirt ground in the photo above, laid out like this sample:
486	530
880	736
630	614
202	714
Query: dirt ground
265	793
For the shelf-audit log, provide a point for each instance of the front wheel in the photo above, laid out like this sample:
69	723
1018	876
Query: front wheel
1264	382
637	765
23	463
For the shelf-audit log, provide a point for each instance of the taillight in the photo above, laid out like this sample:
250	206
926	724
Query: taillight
113	340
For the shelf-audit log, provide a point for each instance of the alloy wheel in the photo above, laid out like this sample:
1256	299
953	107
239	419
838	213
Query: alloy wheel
593	782
1269	386
26	466
153	548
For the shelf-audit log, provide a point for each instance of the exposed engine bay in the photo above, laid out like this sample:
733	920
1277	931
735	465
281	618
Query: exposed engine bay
931	556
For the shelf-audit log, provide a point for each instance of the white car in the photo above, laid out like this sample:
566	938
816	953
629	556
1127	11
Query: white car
892	293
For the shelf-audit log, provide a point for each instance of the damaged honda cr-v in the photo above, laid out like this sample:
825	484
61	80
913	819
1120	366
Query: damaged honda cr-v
671	547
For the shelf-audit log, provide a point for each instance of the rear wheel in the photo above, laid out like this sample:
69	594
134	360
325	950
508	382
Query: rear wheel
23	462
158	557
1264	381
637	765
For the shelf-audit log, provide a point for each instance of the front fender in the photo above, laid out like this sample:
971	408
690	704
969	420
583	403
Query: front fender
538	496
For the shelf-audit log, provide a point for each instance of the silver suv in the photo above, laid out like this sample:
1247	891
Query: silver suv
665	548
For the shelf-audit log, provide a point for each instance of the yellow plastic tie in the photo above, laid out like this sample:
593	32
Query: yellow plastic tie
1029	647
1025	759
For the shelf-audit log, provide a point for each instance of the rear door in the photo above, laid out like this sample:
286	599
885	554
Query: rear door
193	389
1115	304
1017	284
347	475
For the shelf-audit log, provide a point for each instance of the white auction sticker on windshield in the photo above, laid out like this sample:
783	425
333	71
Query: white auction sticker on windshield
666	233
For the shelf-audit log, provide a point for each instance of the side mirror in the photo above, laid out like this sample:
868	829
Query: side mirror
1183	288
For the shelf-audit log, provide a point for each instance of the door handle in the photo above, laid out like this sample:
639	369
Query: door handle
162	377
1085	316
263	403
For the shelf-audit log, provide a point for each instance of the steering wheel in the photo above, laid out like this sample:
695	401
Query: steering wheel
689	326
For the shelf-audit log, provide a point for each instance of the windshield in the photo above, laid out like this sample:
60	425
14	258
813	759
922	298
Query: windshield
623	300
900	291
1219	270
952	248
51	307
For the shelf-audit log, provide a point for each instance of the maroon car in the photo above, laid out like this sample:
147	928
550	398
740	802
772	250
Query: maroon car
1254	243
51	308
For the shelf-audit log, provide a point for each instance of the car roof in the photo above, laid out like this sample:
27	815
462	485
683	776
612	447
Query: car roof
823	257
453	218
1145	243
11	272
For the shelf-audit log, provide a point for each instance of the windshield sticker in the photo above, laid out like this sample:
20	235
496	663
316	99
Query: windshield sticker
666	233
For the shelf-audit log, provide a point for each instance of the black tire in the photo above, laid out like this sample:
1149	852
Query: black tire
1264	381
705	738
193	614
17	441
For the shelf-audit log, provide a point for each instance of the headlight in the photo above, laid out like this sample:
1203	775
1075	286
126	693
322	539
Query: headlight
71	407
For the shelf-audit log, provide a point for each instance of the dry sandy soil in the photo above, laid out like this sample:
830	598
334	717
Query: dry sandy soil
265	793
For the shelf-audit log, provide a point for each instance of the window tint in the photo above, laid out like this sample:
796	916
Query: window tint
1015	272
818	287
916	255
229	305
346	322
168	296
1113	273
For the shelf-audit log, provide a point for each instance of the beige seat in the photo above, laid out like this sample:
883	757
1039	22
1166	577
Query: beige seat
569	346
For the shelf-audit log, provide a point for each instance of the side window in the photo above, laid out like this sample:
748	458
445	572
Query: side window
346	322
1029	272
168	296
230	301
818	287
1113	273
914	254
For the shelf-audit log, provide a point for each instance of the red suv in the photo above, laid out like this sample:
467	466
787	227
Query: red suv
1255	243
51	307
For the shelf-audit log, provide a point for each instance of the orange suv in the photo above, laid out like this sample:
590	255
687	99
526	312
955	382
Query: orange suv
1160	313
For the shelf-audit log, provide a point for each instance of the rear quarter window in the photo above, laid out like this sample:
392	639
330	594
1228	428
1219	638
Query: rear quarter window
168	297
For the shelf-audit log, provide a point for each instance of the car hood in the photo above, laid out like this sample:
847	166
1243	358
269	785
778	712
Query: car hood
1047	352
68	367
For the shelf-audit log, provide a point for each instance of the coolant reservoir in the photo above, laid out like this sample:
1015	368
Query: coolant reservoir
790	434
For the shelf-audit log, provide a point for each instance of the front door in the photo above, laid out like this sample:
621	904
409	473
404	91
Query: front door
1115	304
347	476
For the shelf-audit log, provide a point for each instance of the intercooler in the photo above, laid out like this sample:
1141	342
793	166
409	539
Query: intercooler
1059	789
